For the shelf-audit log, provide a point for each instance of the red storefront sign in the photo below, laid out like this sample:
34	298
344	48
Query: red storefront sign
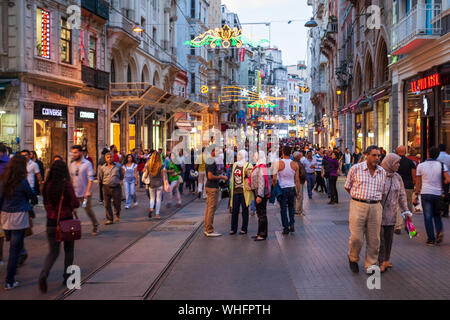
425	83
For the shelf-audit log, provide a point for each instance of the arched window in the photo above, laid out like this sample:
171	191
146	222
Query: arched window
129	73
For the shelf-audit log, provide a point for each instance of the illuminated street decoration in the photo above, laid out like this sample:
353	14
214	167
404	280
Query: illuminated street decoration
263	95
225	38
239	94
262	104
276	91
45	34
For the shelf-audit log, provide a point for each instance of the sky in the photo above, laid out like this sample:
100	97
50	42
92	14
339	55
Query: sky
290	38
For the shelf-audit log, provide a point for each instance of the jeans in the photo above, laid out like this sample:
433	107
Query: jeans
54	246
253	206
174	187
89	211
155	198
334	193
327	183
287	202
130	191
431	212
311	180
141	173
201	183
239	201
347	168
15	248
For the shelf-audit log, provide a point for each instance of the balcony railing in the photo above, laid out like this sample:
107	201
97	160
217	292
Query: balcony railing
95	78
99	7
418	23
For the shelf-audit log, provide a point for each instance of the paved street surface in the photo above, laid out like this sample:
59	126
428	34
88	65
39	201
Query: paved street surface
310	264
172	259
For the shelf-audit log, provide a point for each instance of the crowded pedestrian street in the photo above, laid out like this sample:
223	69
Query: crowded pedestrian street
172	259
225	158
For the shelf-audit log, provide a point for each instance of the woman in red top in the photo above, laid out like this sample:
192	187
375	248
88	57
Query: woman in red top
58	183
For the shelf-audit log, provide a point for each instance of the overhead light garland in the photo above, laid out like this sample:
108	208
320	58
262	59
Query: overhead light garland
262	104
224	37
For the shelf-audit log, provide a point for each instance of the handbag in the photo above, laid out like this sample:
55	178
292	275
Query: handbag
67	230
146	179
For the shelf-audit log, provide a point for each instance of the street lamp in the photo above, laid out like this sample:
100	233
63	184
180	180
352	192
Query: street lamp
138	28
311	23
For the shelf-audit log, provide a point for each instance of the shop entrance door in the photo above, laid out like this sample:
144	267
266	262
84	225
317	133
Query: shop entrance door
427	136
58	142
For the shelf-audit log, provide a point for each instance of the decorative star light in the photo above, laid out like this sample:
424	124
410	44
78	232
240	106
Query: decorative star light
254	88
276	91
244	93
263	95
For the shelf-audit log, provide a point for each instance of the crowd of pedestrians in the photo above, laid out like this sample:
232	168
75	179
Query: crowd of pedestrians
384	188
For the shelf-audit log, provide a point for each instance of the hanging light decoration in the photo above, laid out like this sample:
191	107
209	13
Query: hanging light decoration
224	37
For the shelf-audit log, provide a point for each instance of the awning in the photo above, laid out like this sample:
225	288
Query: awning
144	94
351	106
379	95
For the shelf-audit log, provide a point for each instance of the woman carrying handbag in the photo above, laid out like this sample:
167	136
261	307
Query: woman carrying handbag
59	202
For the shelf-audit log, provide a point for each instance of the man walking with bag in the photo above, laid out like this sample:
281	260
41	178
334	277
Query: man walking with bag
365	183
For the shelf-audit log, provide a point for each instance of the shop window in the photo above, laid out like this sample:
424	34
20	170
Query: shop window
370	129
66	42
358	131
43	33
414	127
93	52
50	140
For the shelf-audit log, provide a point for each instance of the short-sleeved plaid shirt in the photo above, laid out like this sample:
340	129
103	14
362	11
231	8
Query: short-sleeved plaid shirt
362	185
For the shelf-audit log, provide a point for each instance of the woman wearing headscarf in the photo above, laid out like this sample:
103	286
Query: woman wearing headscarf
394	199
240	193
259	183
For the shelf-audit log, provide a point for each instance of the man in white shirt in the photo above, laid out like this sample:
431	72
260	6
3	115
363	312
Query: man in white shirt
347	161
32	169
429	186
310	164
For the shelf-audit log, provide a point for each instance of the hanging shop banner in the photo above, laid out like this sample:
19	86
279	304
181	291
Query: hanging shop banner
43	110
85	115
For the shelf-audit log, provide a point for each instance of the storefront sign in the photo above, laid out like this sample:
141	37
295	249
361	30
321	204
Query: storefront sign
85	115
49	111
52	112
425	83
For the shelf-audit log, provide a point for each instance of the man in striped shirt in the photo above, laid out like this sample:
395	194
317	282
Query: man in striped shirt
320	182
365	183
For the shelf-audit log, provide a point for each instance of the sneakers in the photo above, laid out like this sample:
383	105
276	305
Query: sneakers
212	234
439	237
9	286
95	231
135	204
127	207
